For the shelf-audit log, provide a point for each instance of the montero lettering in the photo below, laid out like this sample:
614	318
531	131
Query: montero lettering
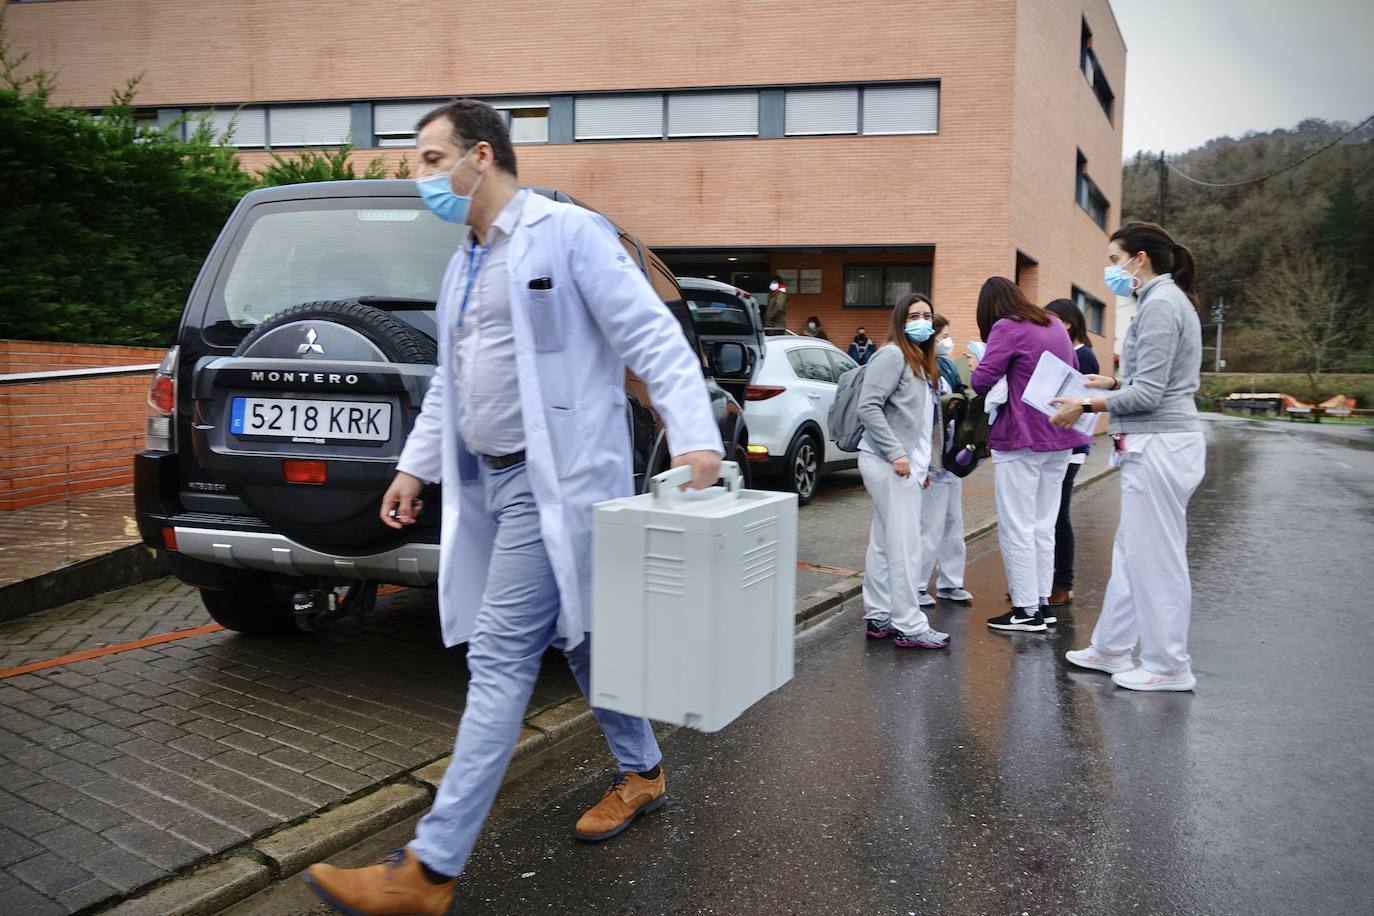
318	378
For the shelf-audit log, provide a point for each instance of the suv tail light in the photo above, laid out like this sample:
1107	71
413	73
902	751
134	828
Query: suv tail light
762	392
299	470
160	428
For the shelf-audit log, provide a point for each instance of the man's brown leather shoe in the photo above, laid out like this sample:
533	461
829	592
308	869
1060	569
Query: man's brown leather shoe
629	796
1060	596
396	886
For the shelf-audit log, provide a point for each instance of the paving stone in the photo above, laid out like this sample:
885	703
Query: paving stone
21	900
74	843
208	728
196	746
15	848
348	780
122	869
208	836
87	893
157	846
90	753
49	874
93	815
30	820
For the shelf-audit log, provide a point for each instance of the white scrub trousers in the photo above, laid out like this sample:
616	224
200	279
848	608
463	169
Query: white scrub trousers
1149	596
893	565
943	539
1028	486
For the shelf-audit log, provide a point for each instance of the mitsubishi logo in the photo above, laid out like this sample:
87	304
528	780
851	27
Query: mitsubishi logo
310	346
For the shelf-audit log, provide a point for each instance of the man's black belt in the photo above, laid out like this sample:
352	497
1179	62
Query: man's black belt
500	462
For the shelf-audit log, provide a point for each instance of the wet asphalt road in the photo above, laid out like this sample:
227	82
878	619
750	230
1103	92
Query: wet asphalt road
990	779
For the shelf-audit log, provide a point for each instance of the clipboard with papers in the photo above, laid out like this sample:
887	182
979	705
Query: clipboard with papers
1054	378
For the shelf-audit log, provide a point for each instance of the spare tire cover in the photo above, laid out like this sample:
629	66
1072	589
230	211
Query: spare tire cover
342	515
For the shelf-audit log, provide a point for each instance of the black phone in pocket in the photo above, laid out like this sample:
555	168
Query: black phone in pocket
542	283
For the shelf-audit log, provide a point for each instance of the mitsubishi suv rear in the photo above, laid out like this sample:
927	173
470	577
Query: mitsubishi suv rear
302	359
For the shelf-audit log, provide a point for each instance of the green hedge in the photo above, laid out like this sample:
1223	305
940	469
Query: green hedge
1220	384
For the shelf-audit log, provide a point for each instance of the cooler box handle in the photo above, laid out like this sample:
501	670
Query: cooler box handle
664	486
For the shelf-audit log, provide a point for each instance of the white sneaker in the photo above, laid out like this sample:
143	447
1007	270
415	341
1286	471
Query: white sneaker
955	594
1091	658
924	600
1140	679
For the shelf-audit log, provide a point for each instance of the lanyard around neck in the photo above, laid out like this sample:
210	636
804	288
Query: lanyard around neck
474	266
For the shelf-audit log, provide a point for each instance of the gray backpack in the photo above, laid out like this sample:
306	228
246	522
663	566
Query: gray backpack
846	429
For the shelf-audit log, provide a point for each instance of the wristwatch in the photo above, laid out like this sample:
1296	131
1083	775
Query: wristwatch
1088	405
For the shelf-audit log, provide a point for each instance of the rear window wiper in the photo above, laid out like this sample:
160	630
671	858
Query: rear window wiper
398	303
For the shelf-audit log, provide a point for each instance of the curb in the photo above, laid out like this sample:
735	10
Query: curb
242	871
126	566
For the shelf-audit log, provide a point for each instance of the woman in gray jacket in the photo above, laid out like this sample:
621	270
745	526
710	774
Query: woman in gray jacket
1162	454
896	457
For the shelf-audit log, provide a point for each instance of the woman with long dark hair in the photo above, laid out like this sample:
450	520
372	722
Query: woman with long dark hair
1062	592
1029	454
896	456
1162	454
943	502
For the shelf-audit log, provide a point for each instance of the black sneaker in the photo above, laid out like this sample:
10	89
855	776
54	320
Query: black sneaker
1049	615
1027	620
879	629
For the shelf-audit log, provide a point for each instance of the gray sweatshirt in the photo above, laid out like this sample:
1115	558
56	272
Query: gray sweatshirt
895	408
1161	358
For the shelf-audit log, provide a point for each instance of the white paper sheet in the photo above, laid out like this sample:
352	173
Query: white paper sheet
1054	378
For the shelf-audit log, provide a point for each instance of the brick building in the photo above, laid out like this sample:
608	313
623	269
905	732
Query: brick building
870	147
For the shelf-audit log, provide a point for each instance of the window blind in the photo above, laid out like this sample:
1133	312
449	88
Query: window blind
901	109
609	117
310	125
713	114
822	111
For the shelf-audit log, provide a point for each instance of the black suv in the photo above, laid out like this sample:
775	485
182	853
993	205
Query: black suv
304	353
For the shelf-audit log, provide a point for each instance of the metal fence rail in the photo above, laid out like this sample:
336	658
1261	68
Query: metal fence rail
64	375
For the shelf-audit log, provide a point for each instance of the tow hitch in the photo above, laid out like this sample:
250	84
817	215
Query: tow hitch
316	607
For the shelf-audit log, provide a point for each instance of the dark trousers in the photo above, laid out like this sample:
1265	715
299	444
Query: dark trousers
1063	533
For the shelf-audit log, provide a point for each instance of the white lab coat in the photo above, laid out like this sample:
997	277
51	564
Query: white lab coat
573	343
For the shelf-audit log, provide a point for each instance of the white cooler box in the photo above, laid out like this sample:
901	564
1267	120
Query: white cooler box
692	600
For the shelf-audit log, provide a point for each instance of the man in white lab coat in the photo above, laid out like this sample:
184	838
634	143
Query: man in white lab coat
541	310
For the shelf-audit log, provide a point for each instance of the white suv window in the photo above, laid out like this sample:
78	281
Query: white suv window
810	363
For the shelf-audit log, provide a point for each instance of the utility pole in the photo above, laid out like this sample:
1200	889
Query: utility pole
1163	206
1219	316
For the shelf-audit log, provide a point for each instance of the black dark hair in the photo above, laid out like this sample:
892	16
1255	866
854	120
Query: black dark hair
815	319
1072	318
1166	256
1000	298
939	322
474	122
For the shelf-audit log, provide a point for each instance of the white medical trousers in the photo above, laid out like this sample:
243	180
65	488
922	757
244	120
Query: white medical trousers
892	566
1149	596
942	542
1028	486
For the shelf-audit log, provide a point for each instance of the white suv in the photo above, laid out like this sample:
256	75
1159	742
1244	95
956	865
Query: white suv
788	403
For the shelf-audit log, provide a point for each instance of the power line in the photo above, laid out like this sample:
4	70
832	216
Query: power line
1236	184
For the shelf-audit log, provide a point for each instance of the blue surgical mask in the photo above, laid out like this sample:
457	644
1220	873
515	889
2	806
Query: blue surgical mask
920	330
437	193
1118	281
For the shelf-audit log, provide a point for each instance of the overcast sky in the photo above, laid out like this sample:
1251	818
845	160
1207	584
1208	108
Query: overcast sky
1198	69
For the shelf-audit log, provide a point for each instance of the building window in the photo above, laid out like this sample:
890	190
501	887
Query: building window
879	286
248	125
814	112
1089	197
618	117
713	114
1094	312
292	126
1092	71
901	109
393	123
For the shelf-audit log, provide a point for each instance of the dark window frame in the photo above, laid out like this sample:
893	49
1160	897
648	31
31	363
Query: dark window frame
1089	196
1092	71
1090	306
884	266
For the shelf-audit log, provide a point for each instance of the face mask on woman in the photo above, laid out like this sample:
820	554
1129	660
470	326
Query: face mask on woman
944	346
811	325
920	330
1120	282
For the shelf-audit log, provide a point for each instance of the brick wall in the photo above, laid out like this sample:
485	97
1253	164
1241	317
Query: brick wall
60	438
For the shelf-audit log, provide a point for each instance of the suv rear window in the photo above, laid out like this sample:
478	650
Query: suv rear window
290	252
717	313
